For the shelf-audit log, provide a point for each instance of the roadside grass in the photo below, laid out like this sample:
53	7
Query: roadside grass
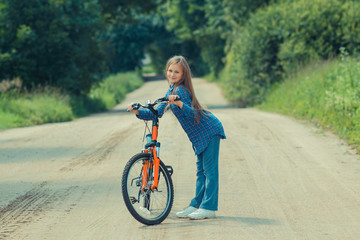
48	105
112	91
41	106
147	69
9	120
327	94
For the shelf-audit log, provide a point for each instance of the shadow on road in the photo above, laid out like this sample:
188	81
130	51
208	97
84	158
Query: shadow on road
249	221
219	220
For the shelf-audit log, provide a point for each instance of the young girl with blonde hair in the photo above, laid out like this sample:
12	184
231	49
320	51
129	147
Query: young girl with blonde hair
204	131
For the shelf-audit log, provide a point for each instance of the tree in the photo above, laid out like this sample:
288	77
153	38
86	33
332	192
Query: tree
125	11
128	32
183	19
212	24
163	44
126	44
48	42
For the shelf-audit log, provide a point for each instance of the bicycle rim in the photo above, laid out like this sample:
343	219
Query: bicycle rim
149	206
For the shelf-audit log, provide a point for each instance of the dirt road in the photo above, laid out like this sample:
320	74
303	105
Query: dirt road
279	178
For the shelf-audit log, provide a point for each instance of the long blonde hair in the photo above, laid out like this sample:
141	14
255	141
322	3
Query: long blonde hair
187	81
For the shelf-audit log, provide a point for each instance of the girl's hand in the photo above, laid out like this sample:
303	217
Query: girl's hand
129	108
177	102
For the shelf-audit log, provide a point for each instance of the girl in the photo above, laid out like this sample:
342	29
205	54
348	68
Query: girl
204	131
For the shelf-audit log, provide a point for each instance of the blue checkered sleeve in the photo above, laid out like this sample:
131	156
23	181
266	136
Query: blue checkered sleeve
199	133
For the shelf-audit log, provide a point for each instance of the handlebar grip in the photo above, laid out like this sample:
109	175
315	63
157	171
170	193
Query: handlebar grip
135	106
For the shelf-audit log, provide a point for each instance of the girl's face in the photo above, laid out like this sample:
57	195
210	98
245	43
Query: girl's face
174	73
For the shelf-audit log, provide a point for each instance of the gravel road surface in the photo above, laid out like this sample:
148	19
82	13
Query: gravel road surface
279	178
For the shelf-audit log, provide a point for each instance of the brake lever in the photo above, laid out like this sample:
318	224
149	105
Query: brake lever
165	99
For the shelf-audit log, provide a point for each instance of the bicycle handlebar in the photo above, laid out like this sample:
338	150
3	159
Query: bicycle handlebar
136	106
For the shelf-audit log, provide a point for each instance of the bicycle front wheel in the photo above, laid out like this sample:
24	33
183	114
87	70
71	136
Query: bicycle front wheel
148	206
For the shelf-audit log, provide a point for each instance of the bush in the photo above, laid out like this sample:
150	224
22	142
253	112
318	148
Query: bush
48	105
9	120
328	95
279	38
43	106
52	43
113	90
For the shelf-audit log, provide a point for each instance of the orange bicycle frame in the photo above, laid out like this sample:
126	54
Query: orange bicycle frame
152	165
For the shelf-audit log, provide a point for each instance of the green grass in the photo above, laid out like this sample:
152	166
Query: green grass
113	90
9	120
42	106
326	94
48	105
147	69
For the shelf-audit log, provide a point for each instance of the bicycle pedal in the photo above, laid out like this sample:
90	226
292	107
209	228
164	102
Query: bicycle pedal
133	200
145	210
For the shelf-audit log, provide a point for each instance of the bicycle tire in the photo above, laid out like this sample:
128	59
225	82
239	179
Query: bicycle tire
152	207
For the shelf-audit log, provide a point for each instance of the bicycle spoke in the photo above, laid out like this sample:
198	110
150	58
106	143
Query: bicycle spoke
146	205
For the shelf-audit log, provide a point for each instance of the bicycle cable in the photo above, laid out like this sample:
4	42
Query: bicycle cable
146	127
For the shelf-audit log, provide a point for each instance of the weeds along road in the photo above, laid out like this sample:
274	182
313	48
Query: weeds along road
279	178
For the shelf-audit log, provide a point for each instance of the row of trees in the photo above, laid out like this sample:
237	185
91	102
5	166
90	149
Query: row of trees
73	44
248	44
70	44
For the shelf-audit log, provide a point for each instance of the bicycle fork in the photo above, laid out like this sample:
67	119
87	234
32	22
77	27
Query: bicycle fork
151	166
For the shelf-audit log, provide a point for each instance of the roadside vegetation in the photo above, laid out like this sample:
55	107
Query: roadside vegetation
279	38
250	47
48	104
327	94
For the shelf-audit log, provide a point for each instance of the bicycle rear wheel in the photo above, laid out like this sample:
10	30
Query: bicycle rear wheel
149	206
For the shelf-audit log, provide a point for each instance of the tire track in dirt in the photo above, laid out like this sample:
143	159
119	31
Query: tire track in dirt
279	179
102	150
29	207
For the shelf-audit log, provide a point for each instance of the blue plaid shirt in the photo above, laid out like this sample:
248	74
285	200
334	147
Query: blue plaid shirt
200	134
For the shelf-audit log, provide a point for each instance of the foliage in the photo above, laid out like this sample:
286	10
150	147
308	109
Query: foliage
125	46
160	52
164	44
327	94
281	37
209	25
113	90
224	18
49	42
186	20
41	106
252	44
125	10
130	29
45	105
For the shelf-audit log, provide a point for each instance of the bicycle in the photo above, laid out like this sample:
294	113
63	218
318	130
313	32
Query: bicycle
147	186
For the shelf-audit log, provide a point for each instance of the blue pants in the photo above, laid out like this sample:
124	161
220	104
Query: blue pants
207	182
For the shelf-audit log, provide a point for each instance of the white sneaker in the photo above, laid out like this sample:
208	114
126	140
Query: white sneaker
145	210
202	214
184	213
